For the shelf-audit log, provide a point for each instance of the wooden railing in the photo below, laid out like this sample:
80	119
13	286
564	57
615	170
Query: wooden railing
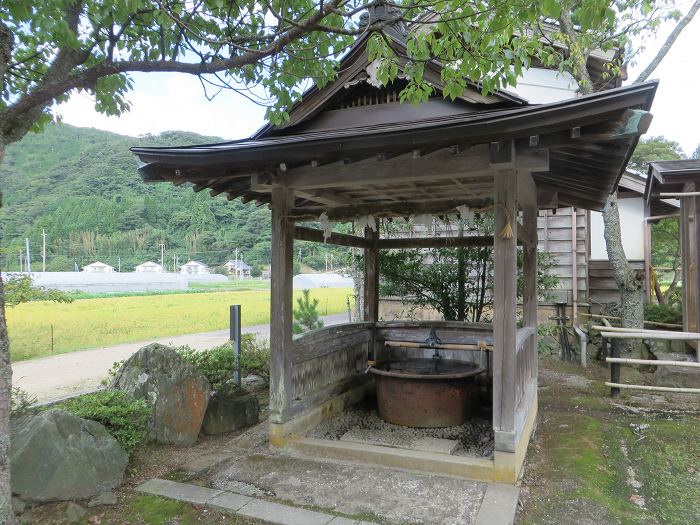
525	361
325	359
331	360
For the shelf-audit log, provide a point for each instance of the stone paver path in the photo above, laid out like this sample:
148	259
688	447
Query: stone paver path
61	375
245	506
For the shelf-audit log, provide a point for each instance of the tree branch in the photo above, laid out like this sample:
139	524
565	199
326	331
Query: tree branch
668	43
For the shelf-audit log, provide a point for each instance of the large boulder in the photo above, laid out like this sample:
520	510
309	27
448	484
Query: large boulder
676	376
58	456
176	390
230	411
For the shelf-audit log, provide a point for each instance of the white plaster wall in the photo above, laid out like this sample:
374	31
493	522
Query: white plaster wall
632	227
541	86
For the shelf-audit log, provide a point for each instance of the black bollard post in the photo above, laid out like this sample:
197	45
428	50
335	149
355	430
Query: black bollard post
235	336
615	367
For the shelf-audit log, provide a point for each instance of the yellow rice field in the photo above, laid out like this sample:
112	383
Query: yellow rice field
92	323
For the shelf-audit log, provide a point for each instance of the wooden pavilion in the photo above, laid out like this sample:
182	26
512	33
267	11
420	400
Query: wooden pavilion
681	179
351	150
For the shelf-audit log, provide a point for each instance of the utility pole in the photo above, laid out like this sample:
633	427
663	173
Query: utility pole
21	262
162	254
119	264
235	268
29	259
43	250
174	265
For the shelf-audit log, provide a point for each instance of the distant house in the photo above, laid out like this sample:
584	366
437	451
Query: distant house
194	267
238	268
149	267
98	267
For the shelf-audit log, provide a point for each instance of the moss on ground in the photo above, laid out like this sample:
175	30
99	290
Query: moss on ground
140	509
577	471
667	462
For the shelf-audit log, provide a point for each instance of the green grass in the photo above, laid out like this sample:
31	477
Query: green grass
97	322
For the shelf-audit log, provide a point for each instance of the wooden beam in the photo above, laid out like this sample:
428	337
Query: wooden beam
445	163
384	209
281	306
504	297
323	197
302	233
434	242
527	190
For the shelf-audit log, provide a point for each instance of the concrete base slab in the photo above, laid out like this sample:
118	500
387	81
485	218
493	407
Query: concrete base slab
353	489
271	512
347	521
424	444
229	501
204	462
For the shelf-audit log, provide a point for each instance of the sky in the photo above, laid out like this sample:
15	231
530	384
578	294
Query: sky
162	102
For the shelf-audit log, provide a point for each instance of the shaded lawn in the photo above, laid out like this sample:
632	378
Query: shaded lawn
92	323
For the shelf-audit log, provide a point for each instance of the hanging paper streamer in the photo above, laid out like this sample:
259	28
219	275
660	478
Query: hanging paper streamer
326	225
367	221
426	220
507	231
466	214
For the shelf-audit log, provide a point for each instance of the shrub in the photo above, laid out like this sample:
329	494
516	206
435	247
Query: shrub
664	313
22	402
306	316
217	363
126	419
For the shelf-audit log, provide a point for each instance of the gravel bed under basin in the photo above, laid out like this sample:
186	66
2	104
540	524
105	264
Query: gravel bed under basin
475	437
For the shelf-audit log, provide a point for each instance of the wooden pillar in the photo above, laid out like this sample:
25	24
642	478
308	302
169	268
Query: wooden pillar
505	297
647	254
371	288
281	305
530	283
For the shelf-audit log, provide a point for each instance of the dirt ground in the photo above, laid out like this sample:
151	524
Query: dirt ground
594	460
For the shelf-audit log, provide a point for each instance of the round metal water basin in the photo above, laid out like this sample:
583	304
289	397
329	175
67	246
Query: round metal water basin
425	392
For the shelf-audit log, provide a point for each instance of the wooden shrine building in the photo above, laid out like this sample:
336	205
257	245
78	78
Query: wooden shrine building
351	150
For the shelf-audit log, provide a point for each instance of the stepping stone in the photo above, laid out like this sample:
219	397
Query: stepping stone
179	491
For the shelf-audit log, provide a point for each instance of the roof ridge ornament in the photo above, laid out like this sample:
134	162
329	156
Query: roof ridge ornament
382	12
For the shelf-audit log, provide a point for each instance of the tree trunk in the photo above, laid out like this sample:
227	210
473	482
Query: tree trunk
6	515
629	281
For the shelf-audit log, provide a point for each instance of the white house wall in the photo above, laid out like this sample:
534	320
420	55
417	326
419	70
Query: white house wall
632	228
541	86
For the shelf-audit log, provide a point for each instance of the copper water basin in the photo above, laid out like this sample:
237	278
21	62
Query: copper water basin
425	392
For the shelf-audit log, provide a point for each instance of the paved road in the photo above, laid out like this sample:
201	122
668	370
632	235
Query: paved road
60	375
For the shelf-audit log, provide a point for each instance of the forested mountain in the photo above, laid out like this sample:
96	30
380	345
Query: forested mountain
82	187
